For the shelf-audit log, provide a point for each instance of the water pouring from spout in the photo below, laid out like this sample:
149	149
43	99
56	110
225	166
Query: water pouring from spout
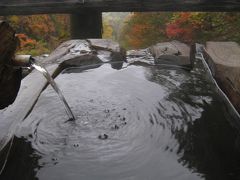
29	61
54	86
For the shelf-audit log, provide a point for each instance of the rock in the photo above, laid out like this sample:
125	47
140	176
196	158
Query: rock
83	60
104	44
86	52
103	136
115	127
224	61
140	56
116	52
175	53
165	48
68	50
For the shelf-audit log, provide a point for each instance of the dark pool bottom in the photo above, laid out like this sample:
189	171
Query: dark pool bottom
137	123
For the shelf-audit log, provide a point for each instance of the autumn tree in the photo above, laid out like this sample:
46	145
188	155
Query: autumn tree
202	27
181	27
144	29
40	33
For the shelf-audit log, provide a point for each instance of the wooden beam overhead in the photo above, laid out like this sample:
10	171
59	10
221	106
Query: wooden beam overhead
24	7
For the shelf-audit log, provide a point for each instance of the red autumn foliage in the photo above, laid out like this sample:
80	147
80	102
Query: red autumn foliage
26	42
181	27
144	29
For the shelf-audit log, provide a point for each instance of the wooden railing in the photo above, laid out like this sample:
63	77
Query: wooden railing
9	7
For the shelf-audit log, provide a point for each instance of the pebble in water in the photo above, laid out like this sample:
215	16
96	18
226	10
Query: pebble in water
107	111
115	127
123	119
103	136
76	145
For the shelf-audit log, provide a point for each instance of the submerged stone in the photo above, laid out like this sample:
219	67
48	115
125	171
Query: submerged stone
103	136
115	127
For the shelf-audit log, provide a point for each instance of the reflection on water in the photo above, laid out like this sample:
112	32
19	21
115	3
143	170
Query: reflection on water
137	123
22	163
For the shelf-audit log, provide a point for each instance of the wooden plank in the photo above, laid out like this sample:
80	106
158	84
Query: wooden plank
9	7
86	25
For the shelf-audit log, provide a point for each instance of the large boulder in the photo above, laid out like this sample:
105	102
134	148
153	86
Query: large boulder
97	50
140	56
224	61
108	49
173	52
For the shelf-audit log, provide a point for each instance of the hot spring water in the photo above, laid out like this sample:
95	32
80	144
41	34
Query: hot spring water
137	123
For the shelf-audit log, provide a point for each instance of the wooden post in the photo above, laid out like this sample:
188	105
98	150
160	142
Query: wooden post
86	25
10	77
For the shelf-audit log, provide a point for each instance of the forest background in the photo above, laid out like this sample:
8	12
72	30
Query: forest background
40	34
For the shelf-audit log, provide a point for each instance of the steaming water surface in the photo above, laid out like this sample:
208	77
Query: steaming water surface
137	123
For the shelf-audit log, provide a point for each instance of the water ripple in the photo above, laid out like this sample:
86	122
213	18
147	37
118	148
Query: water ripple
135	123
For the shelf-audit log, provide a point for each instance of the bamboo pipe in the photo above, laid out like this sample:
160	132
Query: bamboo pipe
22	60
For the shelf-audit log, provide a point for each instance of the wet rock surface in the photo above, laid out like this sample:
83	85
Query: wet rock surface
140	56
166	53
174	52
101	49
224	61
